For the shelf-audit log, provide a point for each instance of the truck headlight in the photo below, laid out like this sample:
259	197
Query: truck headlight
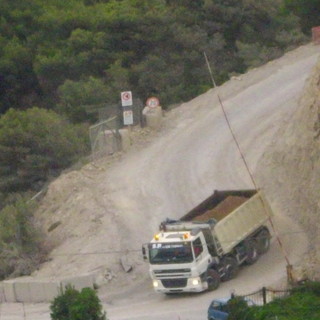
195	281
155	283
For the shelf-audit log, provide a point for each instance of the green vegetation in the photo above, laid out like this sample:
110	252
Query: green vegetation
303	303
21	248
152	47
71	57
307	10
71	304
34	145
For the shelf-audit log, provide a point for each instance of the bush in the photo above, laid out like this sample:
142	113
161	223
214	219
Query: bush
71	304
239	309
36	144
21	249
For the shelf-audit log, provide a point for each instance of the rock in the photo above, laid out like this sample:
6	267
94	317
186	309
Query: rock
126	265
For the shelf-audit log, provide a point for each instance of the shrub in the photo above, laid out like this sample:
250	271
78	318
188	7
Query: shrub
238	309
34	145
21	249
71	304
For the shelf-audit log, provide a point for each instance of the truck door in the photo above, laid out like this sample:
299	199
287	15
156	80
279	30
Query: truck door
200	254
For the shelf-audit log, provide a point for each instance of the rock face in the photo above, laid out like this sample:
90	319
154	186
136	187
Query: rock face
294	162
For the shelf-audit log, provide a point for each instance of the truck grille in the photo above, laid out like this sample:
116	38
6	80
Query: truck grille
176	273
174	283
172	271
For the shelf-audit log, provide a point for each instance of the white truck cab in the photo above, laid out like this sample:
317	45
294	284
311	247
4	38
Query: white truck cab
179	261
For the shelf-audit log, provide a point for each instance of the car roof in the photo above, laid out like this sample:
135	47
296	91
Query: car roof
225	300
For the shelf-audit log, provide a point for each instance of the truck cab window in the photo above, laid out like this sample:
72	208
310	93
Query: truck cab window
197	247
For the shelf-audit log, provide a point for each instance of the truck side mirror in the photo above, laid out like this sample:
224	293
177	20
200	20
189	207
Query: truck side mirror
145	252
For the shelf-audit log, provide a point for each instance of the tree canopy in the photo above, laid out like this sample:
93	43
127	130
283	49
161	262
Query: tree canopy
34	145
151	47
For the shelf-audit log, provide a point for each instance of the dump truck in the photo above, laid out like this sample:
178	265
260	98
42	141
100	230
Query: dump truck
209	243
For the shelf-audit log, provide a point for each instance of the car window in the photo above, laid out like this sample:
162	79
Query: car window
215	305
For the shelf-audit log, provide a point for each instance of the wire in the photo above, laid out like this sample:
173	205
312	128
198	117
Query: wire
139	250
246	164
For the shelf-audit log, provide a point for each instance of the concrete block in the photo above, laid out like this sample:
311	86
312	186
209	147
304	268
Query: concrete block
22	291
43	290
51	290
153	117
9	292
125	139
79	282
2	297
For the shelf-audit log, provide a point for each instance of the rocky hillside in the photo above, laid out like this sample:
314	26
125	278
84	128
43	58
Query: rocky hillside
293	159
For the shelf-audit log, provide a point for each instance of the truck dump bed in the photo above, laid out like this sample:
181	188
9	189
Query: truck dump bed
237	213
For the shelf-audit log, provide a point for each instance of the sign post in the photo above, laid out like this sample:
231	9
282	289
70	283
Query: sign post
127	117
126	102
126	98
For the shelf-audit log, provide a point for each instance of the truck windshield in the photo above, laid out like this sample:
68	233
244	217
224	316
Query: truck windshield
175	252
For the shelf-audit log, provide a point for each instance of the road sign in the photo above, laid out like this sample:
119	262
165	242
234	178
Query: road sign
127	117
126	98
153	102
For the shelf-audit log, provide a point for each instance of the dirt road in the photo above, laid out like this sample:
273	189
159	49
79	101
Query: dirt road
112	210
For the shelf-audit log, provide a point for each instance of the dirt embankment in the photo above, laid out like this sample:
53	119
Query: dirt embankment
91	216
293	160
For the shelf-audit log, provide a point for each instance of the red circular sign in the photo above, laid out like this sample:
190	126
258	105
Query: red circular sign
153	102
126	95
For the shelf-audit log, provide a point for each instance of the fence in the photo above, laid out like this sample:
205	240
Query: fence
265	295
105	138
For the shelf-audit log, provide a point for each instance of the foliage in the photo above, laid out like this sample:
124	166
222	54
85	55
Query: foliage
151	47
34	145
79	99
20	242
307	10
302	303
239	309
71	304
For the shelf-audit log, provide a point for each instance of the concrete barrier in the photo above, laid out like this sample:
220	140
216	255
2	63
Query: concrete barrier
2	299
22	291
85	281
8	290
153	116
31	290
125	139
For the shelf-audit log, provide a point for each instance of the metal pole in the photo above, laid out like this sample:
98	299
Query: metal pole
210	71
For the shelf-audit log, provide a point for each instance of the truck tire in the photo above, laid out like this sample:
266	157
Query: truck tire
213	279
252	251
263	241
230	267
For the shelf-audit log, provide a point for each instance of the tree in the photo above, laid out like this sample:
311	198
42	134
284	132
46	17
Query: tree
71	304
21	245
307	10
36	144
79	100
49	47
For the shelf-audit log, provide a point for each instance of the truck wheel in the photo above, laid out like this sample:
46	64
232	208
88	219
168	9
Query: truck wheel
252	252
213	279
263	241
230	267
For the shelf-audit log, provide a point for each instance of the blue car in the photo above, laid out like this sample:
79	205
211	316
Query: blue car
218	309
